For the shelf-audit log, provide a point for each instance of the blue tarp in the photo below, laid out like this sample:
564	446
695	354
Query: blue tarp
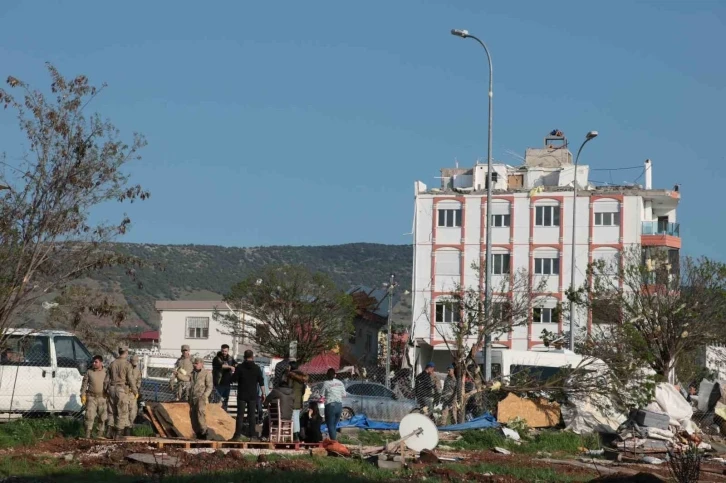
362	422
484	421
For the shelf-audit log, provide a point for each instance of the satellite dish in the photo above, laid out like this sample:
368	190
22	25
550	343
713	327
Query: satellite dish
418	432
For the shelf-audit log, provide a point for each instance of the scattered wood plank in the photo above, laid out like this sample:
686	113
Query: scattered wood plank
166	420
175	417
538	414
149	409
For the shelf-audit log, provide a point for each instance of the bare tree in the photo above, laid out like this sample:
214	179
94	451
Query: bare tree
650	310
289	303
512	304
72	163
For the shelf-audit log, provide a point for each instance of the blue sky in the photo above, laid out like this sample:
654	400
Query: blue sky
306	123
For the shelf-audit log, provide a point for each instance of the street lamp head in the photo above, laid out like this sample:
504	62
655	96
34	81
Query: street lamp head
460	33
591	135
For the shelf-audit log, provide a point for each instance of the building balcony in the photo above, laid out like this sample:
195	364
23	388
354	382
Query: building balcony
661	233
661	228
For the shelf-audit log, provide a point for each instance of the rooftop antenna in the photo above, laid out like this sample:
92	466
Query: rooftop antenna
514	155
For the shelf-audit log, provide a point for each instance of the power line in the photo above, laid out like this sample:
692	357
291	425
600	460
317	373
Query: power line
616	169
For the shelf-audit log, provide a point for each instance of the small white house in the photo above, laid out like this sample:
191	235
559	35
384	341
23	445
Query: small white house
191	322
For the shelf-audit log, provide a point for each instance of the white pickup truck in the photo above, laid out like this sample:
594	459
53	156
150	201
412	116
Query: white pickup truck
41	371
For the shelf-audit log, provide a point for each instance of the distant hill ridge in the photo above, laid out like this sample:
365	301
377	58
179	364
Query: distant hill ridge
206	272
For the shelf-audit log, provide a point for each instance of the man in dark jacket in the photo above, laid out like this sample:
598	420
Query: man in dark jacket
426	388
248	377
222	372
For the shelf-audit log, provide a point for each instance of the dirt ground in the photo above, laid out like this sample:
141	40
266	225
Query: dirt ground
114	456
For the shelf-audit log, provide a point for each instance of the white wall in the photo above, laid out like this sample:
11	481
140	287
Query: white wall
173	334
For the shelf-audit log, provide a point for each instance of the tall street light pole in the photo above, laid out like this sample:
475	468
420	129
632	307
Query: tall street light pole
487	264
588	137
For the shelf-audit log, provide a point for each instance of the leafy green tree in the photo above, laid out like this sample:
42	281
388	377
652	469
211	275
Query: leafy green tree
72	162
650	309
288	303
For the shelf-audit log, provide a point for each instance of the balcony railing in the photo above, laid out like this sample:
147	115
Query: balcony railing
661	228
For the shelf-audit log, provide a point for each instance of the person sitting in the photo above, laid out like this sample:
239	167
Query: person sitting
284	394
310	423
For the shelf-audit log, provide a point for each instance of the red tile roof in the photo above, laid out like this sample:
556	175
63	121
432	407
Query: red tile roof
149	335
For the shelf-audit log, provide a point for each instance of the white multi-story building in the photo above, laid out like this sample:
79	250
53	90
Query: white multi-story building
532	230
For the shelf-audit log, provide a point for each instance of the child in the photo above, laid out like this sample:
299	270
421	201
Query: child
310	423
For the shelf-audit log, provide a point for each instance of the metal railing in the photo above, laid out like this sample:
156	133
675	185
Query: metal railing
661	228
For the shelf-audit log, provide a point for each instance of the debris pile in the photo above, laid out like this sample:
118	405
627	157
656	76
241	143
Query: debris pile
669	426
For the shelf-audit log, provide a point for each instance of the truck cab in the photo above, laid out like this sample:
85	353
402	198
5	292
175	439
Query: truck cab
542	364
41	371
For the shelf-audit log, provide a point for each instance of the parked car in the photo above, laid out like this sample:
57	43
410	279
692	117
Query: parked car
41	371
374	400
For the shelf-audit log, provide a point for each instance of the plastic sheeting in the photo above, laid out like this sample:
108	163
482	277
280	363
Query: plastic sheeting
482	422
362	422
671	401
582	416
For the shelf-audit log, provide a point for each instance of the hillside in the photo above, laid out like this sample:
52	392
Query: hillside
207	272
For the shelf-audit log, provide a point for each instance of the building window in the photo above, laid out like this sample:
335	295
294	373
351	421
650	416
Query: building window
495	179
547	266
500	263
501	220
197	327
545	315
369	342
447	312
607	219
547	215
450	218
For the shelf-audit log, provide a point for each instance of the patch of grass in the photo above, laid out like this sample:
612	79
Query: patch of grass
368	438
48	469
559	442
482	439
26	432
143	430
520	472
562	442
325	470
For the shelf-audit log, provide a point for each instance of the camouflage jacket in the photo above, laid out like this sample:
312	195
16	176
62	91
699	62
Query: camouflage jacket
202	386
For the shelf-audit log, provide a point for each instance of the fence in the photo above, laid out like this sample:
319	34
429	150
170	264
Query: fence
35	381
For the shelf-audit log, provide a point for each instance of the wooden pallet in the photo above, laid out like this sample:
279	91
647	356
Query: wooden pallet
160	443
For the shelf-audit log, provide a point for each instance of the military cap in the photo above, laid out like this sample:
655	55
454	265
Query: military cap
198	359
185	348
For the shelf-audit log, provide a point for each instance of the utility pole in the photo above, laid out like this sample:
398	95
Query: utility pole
392	284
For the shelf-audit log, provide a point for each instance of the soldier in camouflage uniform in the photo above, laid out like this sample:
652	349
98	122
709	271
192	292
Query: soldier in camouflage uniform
183	374
93	397
200	390
134	399
120	383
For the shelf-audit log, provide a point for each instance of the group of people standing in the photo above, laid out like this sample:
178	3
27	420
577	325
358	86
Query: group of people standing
289	389
111	395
